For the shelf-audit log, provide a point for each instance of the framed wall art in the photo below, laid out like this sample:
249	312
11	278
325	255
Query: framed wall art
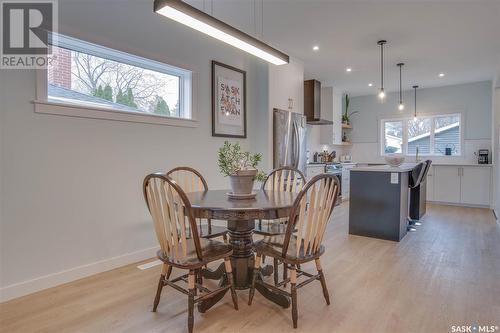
229	113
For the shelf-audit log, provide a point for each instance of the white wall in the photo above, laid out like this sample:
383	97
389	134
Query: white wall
285	82
74	203
472	100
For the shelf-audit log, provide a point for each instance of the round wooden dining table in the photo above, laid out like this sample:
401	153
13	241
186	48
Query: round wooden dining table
240	216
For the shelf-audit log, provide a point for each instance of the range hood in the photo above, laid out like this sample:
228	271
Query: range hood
312	103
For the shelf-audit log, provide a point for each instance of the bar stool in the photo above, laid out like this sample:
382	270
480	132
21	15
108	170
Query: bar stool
418	197
416	176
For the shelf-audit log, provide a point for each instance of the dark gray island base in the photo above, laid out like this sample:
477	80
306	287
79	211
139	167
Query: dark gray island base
378	203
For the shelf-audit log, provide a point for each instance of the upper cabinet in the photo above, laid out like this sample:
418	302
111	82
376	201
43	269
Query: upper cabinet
286	87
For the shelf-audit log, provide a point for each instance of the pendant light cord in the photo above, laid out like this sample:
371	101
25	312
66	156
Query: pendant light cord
415	88
400	85
382	66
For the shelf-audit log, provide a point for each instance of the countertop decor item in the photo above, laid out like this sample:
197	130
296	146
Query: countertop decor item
229	112
394	160
346	117
241	168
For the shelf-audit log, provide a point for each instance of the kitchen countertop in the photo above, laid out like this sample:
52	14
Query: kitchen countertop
437	164
405	167
463	164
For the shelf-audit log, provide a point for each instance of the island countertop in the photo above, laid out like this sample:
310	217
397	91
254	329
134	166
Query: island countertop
405	167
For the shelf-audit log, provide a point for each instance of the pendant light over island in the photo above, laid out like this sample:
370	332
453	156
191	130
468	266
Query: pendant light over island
401	105
381	94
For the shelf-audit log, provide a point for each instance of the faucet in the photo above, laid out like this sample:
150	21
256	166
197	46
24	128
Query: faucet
416	156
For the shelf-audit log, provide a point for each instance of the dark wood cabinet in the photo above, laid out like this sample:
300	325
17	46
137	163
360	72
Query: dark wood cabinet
312	103
312	100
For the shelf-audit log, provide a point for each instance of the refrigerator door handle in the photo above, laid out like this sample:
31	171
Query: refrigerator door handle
296	146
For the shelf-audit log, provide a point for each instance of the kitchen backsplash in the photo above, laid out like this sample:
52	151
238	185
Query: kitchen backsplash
369	152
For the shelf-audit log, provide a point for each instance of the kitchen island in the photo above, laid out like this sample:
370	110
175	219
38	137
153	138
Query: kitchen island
378	203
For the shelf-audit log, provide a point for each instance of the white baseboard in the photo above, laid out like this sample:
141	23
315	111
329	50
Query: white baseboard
51	280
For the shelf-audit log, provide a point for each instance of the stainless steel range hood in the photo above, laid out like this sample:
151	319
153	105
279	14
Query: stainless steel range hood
312	103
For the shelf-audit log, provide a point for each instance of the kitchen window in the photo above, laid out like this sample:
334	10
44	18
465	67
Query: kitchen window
89	78
437	135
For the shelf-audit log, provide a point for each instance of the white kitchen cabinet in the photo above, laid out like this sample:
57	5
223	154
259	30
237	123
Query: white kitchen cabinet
346	179
447	184
314	170
475	185
286	87
466	185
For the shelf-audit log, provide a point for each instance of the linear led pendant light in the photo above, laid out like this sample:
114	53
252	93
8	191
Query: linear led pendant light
381	94
401	105
415	114
181	12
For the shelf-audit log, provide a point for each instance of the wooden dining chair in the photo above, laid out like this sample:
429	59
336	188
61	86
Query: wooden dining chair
302	242
190	180
283	179
172	216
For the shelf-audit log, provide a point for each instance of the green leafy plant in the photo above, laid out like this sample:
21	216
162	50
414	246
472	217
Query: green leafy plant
346	115
232	159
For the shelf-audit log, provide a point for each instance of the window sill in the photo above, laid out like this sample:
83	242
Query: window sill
82	111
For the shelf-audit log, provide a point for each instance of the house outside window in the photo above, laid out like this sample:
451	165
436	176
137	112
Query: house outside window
431	135
85	75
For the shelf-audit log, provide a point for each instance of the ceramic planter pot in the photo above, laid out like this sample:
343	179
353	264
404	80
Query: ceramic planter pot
242	181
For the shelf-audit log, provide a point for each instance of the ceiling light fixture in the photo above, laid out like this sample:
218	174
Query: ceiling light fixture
315	48
181	12
381	94
415	114
348	69
441	74
401	105
370	84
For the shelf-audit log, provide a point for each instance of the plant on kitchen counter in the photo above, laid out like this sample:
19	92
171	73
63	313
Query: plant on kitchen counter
346	116
240	167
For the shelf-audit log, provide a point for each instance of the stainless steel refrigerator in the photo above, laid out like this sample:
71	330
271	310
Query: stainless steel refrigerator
289	146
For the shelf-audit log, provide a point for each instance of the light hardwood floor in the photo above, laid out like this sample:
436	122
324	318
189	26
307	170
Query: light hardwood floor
447	273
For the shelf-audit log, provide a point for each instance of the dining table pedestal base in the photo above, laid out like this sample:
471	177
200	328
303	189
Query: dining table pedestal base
242	260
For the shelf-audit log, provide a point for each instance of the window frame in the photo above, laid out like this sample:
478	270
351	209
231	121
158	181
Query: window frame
405	120
187	88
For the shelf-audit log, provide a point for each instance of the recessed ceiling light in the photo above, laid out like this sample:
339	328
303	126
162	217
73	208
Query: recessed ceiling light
441	74
370	84
348	69
315	48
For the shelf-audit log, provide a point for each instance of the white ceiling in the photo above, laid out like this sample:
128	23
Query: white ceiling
459	38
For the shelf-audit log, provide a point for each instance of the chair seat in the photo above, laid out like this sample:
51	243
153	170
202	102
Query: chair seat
272	246
212	250
215	231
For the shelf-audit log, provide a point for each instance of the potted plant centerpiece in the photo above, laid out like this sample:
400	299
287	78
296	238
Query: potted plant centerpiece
241	168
